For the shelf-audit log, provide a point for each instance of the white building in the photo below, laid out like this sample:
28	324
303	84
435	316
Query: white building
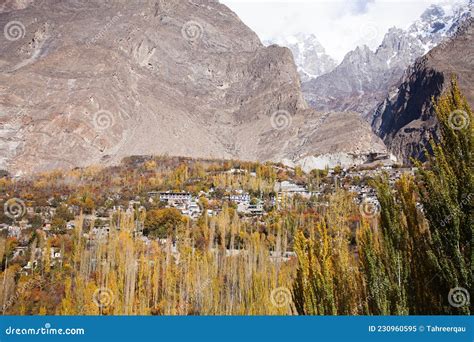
192	209
243	198
171	196
290	189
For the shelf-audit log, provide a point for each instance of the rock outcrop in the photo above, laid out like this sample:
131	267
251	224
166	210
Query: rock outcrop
309	55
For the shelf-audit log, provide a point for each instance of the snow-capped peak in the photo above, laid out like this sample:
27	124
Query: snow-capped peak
439	22
308	53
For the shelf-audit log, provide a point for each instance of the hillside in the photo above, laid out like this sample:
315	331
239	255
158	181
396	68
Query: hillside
87	82
405	120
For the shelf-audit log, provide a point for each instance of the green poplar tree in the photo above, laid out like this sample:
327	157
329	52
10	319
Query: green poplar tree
447	195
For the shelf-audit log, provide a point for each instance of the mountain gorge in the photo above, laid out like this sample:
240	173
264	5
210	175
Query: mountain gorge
86	82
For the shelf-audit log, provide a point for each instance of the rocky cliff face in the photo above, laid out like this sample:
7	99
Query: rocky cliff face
93	81
405	119
364	77
309	55
13	5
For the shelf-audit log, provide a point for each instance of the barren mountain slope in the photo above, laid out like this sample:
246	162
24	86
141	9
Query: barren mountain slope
93	81
406	120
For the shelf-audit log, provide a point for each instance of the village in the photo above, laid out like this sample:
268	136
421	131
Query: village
60	218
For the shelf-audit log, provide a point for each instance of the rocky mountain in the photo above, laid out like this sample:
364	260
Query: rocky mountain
405	119
93	81
309	55
12	5
364	77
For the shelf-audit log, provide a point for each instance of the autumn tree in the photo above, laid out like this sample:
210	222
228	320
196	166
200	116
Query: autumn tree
447	188
163	223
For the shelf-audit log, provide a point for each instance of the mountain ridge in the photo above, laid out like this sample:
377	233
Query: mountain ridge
309	55
183	78
406	120
364	77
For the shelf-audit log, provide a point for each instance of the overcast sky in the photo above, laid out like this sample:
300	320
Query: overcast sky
339	25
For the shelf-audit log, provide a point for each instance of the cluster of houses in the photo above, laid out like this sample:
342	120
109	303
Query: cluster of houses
246	205
37	256
185	202
364	192
189	205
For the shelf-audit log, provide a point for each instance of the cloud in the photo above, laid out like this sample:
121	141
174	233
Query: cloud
339	25
359	6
